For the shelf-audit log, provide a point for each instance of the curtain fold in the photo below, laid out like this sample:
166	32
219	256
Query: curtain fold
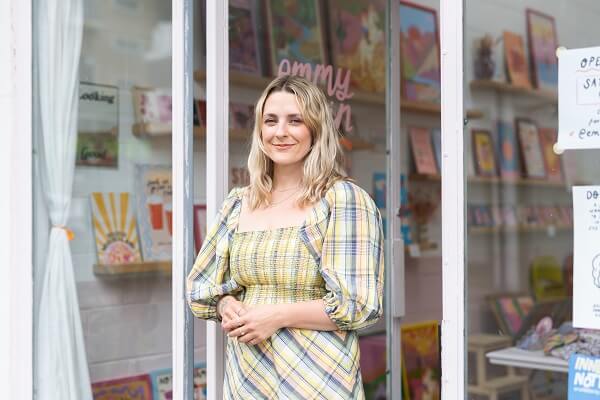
61	369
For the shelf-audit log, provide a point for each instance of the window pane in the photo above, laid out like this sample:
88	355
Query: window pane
120	202
519	194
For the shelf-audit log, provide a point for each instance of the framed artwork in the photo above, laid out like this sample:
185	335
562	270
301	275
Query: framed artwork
244	54
421	361
162	383
379	189
541	34
510	310
115	228
154	204
508	155
130	388
420	53
436	137
357	32
153	106
199	225
420	139
548	137
98	126
516	62
531	151
295	32
241	117
483	148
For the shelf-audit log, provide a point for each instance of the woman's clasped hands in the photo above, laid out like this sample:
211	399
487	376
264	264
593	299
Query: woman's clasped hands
249	324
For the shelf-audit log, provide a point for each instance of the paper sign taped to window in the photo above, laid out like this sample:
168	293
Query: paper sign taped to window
586	257
579	98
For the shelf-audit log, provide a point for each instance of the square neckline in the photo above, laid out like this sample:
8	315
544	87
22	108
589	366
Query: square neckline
280	228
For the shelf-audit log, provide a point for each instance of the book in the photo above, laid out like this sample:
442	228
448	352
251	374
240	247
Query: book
531	151
130	388
548	137
422	151
507	150
516	62
115	228
483	149
154	204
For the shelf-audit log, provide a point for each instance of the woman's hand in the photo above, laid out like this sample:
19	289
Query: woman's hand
256	324
230	309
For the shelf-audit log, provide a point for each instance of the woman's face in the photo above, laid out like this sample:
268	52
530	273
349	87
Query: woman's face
286	138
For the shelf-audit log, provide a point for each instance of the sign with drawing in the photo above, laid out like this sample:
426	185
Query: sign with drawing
586	257
578	98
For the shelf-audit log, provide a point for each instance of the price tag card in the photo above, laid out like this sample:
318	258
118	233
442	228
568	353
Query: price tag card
586	257
579	98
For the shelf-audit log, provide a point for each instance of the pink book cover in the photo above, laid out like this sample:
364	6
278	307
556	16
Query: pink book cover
422	150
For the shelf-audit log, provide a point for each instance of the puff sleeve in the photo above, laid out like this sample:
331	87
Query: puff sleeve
352	258
209	278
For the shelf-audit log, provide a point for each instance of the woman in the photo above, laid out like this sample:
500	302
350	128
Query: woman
293	265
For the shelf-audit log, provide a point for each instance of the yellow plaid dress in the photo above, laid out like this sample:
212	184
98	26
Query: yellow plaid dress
336	255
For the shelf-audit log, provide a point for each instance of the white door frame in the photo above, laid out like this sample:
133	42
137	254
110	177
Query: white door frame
182	75
16	236
453	201
217	160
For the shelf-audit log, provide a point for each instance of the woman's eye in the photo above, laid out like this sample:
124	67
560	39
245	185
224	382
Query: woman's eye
296	121
269	121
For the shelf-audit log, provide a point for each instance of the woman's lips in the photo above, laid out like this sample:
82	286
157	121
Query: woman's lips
282	146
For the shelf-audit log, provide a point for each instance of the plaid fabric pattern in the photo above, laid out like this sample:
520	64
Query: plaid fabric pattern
336	255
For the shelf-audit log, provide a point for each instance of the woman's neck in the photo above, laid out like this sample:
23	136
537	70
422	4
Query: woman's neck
287	176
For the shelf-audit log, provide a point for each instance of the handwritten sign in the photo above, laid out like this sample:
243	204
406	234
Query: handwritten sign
584	377
586	257
579	98
337	86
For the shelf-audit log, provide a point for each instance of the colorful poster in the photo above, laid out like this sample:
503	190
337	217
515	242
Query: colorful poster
420	53
243	37
98	125
421	361
130	388
154	204
422	151
586	257
295	32
542	50
584	382
508	156
529	140
358	41
379	192
115	228
484	153
162	383
516	63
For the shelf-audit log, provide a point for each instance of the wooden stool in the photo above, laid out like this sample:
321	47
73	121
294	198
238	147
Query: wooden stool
480	344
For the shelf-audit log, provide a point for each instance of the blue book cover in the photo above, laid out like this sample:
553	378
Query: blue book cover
584	377
379	189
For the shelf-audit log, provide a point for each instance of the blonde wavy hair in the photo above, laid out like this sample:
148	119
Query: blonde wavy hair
323	165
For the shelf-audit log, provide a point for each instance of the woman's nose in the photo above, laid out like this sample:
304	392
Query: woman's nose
281	130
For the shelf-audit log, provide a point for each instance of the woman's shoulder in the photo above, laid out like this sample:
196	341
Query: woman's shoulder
346	193
232	200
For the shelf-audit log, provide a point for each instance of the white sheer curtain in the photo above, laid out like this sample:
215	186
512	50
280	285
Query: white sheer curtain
61	370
